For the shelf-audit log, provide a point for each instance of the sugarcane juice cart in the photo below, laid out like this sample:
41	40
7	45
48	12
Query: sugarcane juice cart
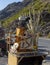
27	52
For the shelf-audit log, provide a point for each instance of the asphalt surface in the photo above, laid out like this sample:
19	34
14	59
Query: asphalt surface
45	44
3	60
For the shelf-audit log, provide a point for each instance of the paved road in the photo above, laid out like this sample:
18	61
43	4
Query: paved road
3	60
43	43
47	61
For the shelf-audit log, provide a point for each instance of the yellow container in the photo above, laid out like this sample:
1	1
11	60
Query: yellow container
12	59
19	31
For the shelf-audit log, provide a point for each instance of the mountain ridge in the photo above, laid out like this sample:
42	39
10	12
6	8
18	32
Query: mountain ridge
13	8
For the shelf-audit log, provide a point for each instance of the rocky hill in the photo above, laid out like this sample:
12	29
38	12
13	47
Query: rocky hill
13	8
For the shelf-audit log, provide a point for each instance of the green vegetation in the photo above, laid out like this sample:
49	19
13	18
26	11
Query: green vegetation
37	4
48	35
14	17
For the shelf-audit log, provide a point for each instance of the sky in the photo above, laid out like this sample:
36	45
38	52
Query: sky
4	3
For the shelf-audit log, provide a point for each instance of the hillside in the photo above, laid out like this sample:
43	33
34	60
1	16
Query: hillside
13	8
44	10
10	10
